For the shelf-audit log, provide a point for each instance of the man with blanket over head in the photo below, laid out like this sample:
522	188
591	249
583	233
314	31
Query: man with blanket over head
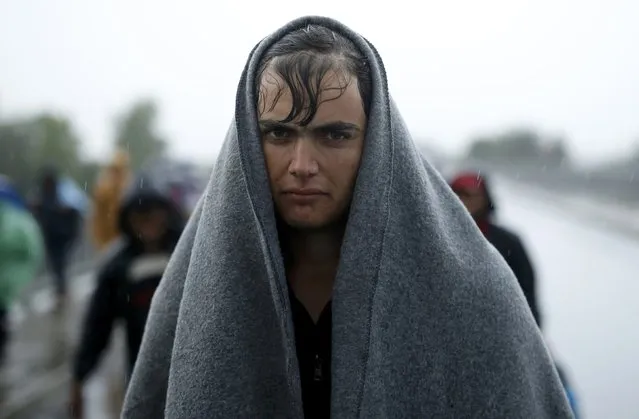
329	271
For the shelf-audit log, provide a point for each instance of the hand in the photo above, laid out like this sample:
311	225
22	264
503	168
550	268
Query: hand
76	401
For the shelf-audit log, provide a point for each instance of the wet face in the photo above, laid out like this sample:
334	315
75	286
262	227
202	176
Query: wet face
473	199
312	169
149	226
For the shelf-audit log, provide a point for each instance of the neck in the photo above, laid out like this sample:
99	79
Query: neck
312	260
152	247
314	248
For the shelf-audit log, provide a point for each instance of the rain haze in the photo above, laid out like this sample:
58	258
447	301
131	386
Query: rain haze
457	69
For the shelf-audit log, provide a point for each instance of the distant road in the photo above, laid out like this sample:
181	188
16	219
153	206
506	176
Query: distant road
588	294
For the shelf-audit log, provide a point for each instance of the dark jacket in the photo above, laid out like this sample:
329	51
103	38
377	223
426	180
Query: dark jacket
125	287
512	249
60	223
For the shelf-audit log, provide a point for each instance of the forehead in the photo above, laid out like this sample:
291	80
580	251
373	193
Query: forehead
338	98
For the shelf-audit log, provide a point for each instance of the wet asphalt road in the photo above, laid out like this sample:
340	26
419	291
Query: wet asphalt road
34	380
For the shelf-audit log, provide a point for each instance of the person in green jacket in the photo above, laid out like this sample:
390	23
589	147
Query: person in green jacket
21	254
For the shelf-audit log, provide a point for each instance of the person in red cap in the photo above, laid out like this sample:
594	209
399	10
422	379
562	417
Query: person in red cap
472	189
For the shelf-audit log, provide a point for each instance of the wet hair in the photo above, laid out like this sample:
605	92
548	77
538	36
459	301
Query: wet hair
302	59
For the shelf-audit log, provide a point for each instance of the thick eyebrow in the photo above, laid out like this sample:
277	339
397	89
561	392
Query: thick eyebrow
267	124
329	126
336	126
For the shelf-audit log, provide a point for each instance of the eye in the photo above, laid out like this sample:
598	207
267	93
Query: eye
337	135
277	134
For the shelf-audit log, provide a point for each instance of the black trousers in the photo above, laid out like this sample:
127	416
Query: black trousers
58	255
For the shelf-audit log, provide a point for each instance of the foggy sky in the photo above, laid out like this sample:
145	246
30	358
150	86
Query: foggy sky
456	68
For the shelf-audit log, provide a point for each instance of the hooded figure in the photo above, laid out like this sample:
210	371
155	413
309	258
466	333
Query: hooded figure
21	244
107	200
151	226
473	190
21	252
425	318
117	291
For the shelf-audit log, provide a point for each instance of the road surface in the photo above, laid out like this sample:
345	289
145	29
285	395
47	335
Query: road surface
34	382
589	278
589	282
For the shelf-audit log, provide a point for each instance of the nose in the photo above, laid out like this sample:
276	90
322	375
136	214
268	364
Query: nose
303	162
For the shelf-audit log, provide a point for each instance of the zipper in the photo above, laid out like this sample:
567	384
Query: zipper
318	375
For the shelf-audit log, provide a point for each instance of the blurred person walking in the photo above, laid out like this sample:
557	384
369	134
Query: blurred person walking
474	191
21	253
107	198
60	222
151	226
328	270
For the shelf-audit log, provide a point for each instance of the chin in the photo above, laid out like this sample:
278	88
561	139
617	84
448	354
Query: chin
309	218
305	223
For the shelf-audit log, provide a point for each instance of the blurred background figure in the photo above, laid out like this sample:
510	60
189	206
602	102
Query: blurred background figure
21	252
151	225
178	194
179	180
472	189
9	194
107	197
58	210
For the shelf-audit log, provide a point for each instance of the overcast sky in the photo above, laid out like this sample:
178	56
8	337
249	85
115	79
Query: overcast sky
456	68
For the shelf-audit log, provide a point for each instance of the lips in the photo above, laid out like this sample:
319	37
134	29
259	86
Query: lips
304	196
304	192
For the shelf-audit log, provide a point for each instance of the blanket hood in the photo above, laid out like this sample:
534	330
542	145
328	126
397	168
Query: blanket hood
428	320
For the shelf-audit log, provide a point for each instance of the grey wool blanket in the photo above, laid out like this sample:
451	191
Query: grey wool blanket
428	320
